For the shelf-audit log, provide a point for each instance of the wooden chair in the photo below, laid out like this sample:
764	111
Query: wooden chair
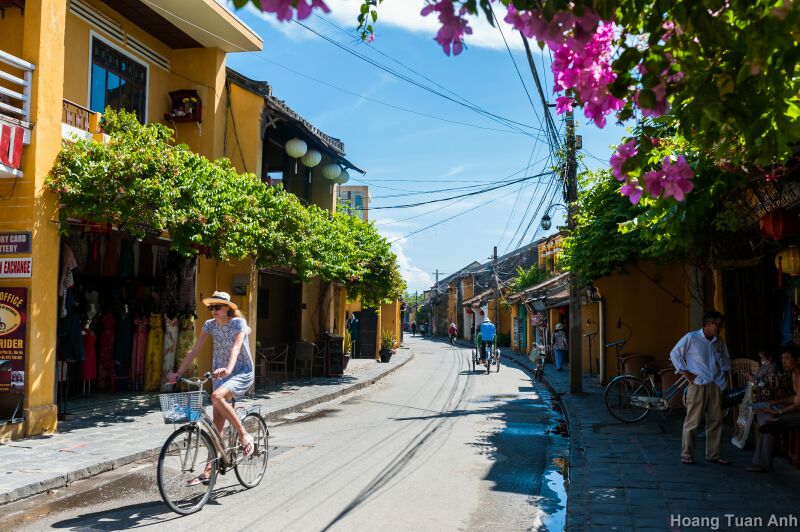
304	357
318	360
278	362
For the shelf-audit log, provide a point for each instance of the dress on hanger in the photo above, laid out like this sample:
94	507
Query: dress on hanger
185	342
187	291
110	258
155	349
106	369
89	351
140	325
123	346
145	261
170	346
126	259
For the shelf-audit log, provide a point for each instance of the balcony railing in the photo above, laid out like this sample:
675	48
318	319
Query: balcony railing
15	102
78	122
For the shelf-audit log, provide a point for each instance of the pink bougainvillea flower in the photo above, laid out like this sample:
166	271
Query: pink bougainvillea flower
454	26
633	190
564	104
653	182
678	177
623	153
282	8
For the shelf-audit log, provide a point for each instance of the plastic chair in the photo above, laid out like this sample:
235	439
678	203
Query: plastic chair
632	363
318	360
741	369
262	365
304	357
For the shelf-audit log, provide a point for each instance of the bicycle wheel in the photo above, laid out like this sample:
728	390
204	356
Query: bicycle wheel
182	460
474	361
497	362
250	470
619	393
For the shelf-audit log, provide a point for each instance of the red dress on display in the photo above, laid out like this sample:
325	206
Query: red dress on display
107	349
139	350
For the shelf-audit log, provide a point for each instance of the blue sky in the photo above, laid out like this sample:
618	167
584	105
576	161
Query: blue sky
405	152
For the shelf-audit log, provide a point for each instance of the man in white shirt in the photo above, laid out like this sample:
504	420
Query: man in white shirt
702	357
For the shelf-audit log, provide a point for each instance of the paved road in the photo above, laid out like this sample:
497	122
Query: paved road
432	447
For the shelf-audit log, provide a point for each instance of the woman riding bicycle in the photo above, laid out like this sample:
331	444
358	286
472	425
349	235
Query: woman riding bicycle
232	364
453	331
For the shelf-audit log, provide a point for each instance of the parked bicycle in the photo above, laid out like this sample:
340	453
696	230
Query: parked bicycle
541	359
631	399
196	449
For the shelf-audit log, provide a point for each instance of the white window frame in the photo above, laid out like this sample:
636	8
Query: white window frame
134	56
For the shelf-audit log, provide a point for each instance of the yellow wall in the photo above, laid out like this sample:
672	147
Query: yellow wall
243	143
32	207
657	321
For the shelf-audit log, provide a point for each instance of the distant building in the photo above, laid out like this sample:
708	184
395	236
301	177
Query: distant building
357	198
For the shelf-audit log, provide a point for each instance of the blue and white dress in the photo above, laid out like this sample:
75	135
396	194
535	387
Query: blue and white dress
241	379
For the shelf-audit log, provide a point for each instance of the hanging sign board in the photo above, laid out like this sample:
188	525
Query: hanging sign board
15	268
13	243
13	324
12	136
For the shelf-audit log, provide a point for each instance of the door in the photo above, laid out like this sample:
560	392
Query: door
368	331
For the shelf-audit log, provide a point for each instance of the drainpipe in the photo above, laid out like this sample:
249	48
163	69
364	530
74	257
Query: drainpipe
601	337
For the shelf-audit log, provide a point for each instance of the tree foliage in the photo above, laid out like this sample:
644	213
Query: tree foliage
527	278
142	183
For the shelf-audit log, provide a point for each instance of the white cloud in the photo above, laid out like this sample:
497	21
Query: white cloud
416	278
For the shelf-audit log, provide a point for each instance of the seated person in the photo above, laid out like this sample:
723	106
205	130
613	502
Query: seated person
776	416
487	335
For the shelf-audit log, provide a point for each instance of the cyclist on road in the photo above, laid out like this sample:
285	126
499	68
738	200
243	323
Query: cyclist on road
488	335
453	331
232	365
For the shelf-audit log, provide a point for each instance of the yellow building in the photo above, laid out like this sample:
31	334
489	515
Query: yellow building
63	62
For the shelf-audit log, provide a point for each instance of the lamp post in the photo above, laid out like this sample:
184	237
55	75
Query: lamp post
547	221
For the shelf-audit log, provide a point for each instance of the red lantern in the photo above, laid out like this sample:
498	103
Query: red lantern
469	311
779	224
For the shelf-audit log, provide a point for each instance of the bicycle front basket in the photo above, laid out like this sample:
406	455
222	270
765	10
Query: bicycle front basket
182	407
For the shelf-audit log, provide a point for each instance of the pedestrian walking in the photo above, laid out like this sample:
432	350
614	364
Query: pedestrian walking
702	357
413	328
560	345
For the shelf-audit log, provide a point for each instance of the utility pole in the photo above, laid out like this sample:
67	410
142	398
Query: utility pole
496	289
435	324
575	339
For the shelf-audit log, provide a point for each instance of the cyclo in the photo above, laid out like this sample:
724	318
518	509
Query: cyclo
197	444
492	355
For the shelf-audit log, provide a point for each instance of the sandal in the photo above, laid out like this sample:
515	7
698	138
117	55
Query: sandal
202	478
248	445
687	461
720	461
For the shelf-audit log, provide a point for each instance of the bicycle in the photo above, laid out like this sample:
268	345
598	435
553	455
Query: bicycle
541	359
196	444
631	399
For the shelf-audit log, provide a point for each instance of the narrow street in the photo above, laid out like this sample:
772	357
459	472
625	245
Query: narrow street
433	446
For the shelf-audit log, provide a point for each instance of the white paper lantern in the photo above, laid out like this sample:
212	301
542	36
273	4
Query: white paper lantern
343	178
311	158
296	147
331	171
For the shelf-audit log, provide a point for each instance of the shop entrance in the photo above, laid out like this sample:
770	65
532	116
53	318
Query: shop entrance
126	313
280	299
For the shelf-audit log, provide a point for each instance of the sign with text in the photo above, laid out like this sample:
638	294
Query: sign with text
15	268
13	324
11	243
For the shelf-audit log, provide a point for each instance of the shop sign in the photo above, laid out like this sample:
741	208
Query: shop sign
12	243
11	138
13	322
15	268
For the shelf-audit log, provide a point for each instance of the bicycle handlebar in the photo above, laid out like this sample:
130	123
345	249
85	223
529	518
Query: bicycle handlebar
198	382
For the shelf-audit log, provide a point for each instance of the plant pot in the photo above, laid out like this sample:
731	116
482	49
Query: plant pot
386	355
346	360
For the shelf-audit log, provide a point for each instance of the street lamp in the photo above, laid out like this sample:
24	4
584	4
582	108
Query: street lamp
547	221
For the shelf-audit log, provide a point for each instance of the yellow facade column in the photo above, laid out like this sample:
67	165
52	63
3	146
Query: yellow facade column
43	45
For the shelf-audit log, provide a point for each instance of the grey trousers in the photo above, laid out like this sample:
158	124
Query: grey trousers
768	438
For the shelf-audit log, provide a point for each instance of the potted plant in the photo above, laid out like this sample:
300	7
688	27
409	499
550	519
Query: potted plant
347	347
387	343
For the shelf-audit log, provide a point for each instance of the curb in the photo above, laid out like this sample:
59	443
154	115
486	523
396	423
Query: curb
65	479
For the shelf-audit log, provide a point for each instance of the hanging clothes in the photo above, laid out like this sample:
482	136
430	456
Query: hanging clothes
187	290
171	331
66	280
185	342
89	351
126	259
140	326
106	366
111	258
155	349
123	345
169	299
70	337
93	256
80	248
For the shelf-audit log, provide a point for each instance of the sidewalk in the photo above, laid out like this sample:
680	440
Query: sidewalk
116	433
629	476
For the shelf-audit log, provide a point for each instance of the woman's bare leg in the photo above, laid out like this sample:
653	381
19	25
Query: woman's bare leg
224	411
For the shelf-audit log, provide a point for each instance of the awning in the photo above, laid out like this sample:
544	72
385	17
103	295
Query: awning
540	290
